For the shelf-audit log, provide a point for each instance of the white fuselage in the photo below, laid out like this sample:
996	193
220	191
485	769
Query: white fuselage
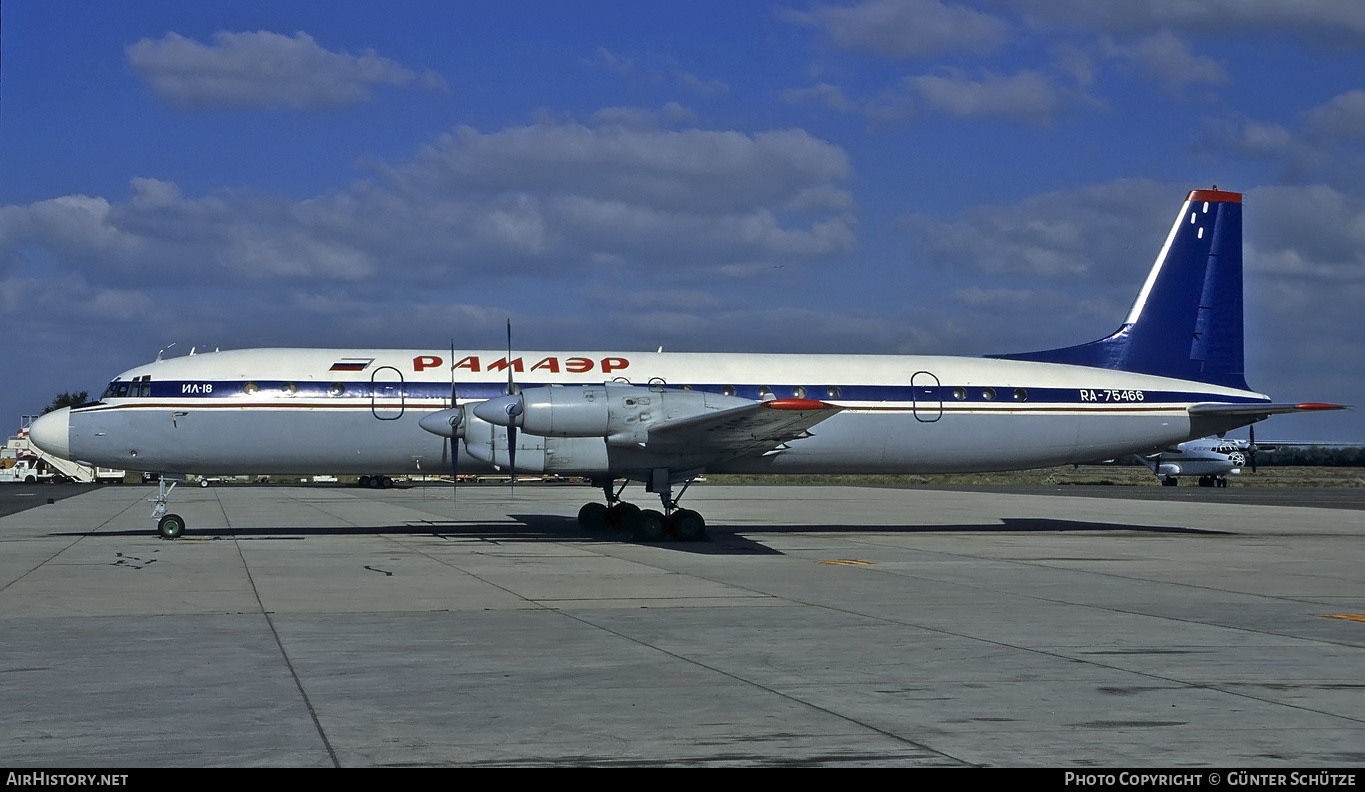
311	411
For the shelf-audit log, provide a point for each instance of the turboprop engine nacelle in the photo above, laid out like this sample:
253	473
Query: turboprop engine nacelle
577	456
620	413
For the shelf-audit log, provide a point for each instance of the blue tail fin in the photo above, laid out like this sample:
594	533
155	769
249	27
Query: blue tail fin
1187	320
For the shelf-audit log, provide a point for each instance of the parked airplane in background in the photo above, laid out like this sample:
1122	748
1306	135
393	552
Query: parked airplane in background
1212	459
1172	372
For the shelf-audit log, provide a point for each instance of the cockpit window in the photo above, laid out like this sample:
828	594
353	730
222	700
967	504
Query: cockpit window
122	390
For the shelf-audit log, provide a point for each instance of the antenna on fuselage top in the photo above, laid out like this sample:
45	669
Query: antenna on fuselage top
160	354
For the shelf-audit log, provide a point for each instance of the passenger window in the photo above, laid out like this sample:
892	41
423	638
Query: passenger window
960	394
336	389
1020	394
834	391
765	393
988	394
799	392
728	390
250	388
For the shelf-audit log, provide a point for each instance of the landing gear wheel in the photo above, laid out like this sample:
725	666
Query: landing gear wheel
364	481
1170	481
688	526
593	517
385	482
203	483
622	516
648	527
171	526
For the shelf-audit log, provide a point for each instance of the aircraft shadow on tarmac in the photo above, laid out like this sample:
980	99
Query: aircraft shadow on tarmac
725	540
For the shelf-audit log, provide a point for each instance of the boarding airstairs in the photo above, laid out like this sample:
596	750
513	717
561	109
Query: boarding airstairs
54	467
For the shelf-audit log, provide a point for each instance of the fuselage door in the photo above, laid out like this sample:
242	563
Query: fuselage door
386	393
926	391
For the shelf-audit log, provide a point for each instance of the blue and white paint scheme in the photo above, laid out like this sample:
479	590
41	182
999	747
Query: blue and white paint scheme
1172	372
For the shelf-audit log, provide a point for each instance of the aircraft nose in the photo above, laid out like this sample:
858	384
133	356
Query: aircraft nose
52	432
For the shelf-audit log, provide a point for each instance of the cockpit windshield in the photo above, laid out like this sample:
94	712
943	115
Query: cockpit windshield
138	387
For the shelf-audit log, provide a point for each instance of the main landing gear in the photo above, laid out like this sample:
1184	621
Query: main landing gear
643	525
375	482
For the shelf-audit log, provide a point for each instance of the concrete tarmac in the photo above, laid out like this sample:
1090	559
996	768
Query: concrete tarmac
822	626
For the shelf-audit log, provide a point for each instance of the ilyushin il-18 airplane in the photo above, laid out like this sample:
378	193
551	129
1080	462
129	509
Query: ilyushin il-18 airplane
1172	372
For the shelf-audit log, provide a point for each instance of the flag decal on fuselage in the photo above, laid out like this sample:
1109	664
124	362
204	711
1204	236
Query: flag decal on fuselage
351	364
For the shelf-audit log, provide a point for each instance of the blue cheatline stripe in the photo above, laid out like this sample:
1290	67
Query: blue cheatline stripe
950	395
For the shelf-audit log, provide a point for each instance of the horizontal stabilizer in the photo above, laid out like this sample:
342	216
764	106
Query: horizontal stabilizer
1263	408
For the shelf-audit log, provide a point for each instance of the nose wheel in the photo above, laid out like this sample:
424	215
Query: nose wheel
171	526
168	526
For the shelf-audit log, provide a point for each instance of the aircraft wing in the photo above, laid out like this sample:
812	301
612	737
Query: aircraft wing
1262	408
747	429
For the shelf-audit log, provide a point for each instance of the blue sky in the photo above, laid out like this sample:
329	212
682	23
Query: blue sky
890	176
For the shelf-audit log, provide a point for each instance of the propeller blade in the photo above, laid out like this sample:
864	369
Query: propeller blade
517	407
511	387
454	466
1252	449
454	449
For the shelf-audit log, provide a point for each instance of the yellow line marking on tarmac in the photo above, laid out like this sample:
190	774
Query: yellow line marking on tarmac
1360	617
847	562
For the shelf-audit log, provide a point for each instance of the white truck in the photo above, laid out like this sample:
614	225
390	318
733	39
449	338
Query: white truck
23	471
21	461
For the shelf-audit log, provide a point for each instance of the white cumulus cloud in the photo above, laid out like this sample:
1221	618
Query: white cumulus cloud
260	70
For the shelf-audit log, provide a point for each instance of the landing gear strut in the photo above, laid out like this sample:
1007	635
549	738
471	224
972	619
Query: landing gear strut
644	525
168	526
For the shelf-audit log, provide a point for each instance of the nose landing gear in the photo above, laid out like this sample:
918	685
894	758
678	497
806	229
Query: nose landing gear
168	526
